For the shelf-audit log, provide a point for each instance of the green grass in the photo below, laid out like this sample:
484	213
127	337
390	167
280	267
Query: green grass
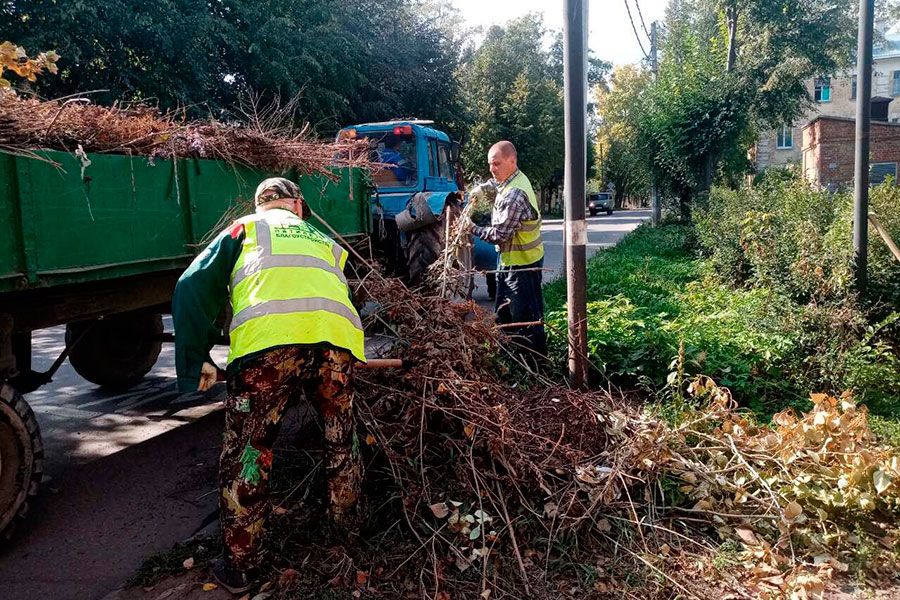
653	292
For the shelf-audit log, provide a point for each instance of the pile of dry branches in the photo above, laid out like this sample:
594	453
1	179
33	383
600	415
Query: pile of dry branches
497	469
267	137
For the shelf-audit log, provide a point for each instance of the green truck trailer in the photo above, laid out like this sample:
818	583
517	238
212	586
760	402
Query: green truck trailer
96	242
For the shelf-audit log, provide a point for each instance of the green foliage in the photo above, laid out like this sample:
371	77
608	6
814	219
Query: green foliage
350	62
511	93
652	293
512	86
699	117
785	234
618	160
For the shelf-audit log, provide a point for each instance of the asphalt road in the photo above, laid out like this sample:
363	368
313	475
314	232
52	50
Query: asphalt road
129	474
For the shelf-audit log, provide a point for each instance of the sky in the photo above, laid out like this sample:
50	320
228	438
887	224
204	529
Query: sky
610	34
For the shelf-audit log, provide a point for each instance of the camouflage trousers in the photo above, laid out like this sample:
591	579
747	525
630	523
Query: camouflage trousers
258	394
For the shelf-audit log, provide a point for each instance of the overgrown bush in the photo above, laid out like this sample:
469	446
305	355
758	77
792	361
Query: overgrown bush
786	234
746	314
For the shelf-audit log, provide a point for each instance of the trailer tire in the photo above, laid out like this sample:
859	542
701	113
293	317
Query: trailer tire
21	459
117	351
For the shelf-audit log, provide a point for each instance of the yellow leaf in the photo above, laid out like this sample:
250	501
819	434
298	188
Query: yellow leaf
370	439
469	430
208	587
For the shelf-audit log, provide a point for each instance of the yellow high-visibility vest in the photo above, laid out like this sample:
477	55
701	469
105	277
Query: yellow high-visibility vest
288	287
525	246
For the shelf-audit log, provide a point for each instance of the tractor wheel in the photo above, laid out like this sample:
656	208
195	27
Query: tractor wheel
21	458
426	244
116	351
423	247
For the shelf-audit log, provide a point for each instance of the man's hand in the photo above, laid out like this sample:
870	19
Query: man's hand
482	191
208	375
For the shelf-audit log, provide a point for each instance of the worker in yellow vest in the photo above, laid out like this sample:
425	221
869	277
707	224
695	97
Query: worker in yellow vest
293	328
516	230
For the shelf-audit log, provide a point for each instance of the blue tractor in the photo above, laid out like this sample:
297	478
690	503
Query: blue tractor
417	191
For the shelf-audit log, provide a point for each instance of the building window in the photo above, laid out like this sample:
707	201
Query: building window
823	89
853	87
895	83
784	139
878	172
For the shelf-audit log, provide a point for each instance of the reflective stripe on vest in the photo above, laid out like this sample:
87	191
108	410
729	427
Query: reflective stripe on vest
267	260
289	288
525	246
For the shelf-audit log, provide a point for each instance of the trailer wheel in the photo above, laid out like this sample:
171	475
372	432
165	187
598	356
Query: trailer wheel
116	351
21	458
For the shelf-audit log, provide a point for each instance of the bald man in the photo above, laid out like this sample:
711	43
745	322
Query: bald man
516	230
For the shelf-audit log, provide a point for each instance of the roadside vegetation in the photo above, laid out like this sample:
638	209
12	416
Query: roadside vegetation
756	294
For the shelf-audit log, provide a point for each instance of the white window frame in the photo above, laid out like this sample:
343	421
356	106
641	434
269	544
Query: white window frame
785	133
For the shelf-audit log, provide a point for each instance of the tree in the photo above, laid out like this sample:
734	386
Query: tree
618	159
729	69
349	61
512	92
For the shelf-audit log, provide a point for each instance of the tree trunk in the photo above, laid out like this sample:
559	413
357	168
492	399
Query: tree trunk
731	16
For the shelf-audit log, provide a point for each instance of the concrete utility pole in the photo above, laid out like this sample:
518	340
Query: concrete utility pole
655	210
575	77
863	118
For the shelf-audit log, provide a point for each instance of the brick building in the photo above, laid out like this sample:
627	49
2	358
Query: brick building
829	145
834	96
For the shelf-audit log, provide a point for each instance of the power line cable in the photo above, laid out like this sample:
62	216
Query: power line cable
637	36
643	25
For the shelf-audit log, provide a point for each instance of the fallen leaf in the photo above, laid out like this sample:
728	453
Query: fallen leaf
469	430
288	579
604	525
882	481
747	536
440	510
370	439
188	563
208	587
362	578
792	511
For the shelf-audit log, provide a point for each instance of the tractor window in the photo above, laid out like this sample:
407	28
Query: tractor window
432	163
398	154
445	166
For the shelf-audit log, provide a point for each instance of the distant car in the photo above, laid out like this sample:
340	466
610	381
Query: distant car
599	202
